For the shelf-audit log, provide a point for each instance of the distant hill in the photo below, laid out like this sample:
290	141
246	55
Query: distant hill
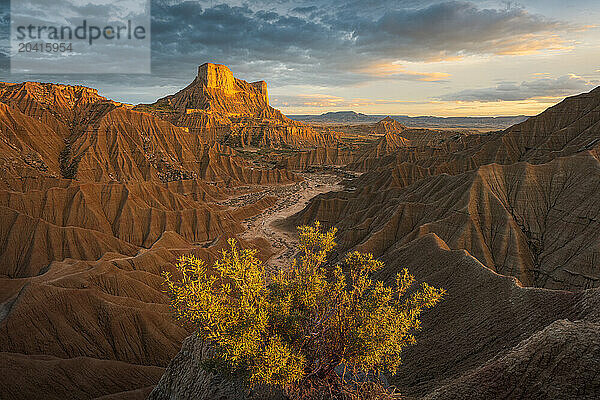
351	117
337	116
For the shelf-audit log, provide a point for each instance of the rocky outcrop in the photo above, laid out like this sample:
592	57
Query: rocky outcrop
492	338
187	377
387	125
389	143
558	362
220	107
218	94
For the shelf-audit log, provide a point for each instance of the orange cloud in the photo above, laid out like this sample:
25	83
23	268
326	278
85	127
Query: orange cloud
584	28
531	44
464	109
398	71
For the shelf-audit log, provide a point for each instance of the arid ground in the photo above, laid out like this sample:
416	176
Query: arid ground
98	198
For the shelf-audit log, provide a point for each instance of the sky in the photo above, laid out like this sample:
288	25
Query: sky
397	57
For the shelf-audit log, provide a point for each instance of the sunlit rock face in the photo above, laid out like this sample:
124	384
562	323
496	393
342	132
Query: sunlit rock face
218	106
216	90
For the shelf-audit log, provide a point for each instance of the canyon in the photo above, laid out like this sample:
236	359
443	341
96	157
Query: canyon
99	197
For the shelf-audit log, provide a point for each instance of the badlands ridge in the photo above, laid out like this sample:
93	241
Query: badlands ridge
97	198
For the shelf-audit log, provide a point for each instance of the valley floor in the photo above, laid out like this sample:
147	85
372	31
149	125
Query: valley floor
271	223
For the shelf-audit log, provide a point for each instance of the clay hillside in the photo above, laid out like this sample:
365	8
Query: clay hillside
501	218
231	110
98	198
507	222
388	125
96	201
381	139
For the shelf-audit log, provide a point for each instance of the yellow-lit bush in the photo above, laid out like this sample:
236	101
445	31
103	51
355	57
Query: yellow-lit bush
293	329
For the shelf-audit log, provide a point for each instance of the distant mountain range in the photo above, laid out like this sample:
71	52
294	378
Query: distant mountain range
351	117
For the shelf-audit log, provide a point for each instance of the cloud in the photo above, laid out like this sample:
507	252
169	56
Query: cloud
329	42
247	40
535	89
334	43
305	10
399	72
4	37
456	28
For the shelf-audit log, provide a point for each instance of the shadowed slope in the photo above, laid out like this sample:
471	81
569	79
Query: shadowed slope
558	362
484	318
535	222
26	377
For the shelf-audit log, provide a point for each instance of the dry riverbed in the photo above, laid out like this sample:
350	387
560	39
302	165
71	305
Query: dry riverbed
291	199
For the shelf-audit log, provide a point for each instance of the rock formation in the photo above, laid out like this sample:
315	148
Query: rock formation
98	198
185	378
218	106
96	201
387	125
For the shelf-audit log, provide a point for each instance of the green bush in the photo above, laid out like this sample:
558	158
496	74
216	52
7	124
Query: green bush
293	329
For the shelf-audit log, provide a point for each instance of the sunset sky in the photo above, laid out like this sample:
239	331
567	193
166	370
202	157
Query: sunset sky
457	58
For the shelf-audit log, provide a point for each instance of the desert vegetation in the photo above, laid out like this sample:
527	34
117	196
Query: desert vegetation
314	329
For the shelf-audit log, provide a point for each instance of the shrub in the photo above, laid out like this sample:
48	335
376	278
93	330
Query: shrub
299	328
